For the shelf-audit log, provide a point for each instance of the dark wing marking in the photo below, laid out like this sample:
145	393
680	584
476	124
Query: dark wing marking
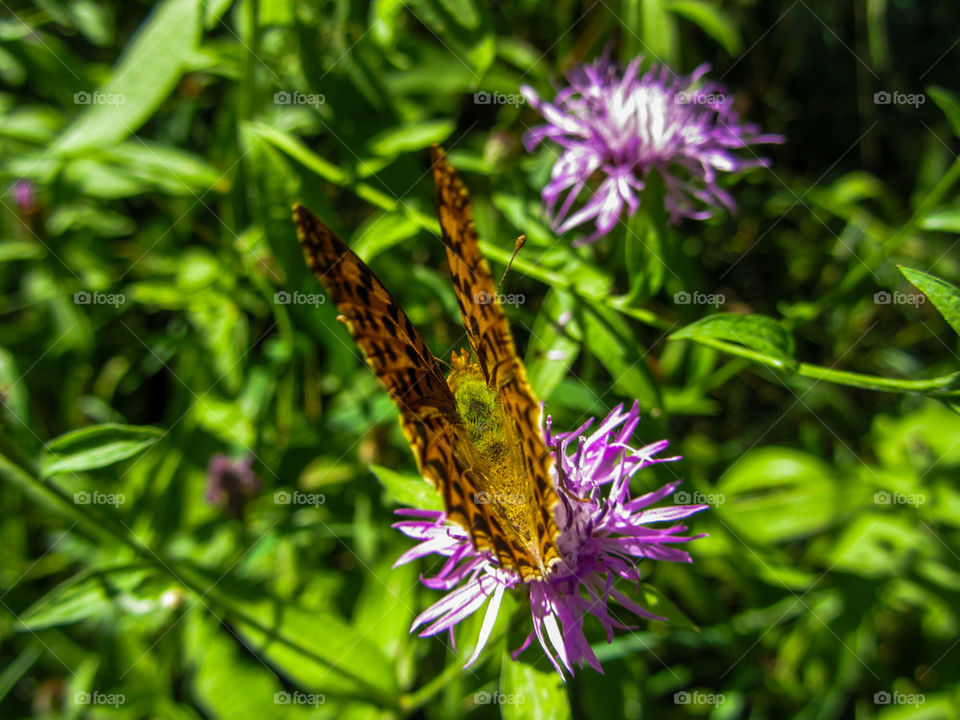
390	343
492	342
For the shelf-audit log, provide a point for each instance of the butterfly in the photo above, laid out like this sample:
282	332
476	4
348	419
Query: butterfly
475	434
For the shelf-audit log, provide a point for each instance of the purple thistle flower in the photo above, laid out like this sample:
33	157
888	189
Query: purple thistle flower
230	483
603	531
619	126
25	196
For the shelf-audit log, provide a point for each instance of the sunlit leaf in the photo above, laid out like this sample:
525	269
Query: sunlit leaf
528	691
408	490
764	339
944	296
96	447
148	70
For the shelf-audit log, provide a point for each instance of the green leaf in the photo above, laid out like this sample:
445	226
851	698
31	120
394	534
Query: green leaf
149	69
875	545
227	681
408	490
88	595
411	137
877	38
659	30
16	401
174	170
528	691
949	103
463	27
554	343
96	446
607	338
656	602
520	214
766	341
381	232
318	649
775	494
944	296
712	20
378	614
943	221
644	242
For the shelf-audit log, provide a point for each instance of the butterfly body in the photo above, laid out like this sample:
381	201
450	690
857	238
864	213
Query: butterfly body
489	445
475	434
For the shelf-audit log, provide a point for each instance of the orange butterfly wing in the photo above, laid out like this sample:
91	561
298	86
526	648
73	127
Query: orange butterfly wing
489	334
398	356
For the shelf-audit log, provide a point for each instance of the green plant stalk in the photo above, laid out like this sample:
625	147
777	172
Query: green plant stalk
941	386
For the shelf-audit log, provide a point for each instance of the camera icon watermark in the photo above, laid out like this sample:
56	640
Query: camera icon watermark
485	298
497	98
698	298
686	697
82	497
696	97
282	697
282	297
882	297
898	698
99	698
884	497
83	297
883	97
285	497
283	97
98	98
498	698
698	498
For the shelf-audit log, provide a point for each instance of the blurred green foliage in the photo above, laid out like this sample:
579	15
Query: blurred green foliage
149	156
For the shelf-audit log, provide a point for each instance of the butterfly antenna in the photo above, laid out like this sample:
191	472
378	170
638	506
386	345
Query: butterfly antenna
516	249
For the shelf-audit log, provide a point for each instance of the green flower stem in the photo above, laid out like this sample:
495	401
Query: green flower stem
944	386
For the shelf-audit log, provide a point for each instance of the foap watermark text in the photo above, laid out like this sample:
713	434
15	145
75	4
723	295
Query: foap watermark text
698	498
282	297
882	297
82	297
98	98
898	498
498	698
883	97
282	97
285	497
698	298
485	298
282	697
82	497
898	698
695	697
99	698
497	98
